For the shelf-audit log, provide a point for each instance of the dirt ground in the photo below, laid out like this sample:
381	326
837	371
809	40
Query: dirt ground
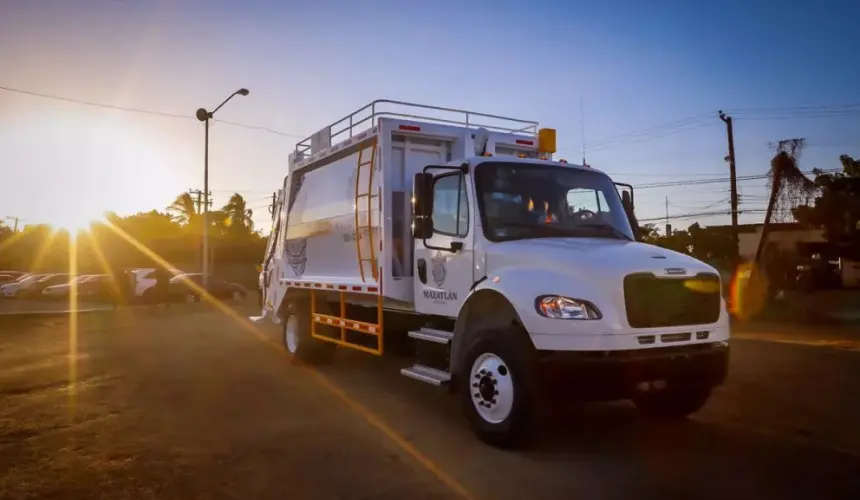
192	402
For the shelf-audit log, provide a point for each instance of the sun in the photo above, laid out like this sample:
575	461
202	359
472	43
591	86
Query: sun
75	221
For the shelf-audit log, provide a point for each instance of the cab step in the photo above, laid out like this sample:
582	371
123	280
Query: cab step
426	374
432	335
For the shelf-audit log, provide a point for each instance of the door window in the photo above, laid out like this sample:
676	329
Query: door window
450	205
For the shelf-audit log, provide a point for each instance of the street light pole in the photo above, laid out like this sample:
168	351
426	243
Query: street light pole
204	116
206	202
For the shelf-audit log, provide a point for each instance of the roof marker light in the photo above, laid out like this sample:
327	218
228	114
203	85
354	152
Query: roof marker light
410	128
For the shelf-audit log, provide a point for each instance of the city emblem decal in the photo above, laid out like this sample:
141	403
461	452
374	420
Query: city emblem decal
297	254
438	269
439	272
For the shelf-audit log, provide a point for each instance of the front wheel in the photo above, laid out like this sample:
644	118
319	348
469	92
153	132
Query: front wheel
498	387
674	403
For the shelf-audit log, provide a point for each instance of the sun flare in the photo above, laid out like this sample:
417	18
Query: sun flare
75	222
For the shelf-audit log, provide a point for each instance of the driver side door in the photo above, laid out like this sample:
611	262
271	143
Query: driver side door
443	277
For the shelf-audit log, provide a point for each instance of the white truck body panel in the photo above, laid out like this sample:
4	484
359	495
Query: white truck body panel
592	269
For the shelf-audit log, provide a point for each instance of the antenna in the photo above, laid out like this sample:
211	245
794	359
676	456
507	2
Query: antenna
582	128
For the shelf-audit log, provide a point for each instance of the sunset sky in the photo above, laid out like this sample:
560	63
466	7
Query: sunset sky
635	65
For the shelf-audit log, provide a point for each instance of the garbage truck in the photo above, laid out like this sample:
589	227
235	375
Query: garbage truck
510	278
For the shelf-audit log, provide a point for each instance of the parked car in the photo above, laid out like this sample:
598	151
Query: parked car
16	274
97	287
61	291
11	290
144	280
181	288
7	278
91	286
35	288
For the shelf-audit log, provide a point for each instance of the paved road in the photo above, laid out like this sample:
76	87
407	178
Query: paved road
17	306
184	404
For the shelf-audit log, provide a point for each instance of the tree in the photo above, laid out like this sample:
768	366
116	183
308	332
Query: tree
679	240
238	215
183	209
836	208
5	231
648	233
710	244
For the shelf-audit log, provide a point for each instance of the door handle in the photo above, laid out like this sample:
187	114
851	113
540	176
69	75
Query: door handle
422	271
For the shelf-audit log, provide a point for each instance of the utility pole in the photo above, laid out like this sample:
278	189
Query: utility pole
198	202
668	226
16	219
274	201
734	179
197	194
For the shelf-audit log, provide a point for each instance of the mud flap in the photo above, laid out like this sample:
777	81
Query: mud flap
266	313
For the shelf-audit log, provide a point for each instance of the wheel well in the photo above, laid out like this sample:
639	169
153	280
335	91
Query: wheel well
292	295
484	309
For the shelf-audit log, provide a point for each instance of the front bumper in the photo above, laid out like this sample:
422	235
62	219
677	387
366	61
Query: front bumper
599	340
608	375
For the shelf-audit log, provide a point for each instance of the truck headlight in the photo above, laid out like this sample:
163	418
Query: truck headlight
557	307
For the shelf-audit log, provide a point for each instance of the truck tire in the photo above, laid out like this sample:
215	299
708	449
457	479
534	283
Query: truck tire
499	387
673	403
297	337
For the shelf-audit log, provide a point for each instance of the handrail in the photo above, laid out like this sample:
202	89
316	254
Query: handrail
350	123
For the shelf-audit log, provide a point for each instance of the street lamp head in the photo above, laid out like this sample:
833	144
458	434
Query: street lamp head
202	115
243	92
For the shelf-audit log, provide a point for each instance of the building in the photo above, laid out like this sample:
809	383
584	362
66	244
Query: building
793	238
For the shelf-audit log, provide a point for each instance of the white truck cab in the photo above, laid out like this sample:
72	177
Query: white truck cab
513	279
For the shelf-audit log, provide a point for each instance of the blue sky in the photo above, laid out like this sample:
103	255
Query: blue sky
635	65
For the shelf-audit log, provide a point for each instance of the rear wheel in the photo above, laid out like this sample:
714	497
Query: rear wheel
673	402
498	387
300	345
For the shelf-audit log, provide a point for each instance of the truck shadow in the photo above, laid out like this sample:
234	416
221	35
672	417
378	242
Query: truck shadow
610	445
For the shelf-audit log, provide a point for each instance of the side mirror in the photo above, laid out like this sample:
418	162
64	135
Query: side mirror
631	215
627	201
629	209
422	206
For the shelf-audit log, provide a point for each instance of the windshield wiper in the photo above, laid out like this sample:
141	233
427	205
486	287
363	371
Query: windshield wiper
605	227
572	230
536	226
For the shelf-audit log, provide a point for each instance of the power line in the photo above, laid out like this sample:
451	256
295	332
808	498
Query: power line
145	111
807	108
704	120
718	180
658	132
700	214
675	174
700	207
656	128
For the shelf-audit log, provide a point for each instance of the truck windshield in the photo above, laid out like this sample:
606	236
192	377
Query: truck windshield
527	200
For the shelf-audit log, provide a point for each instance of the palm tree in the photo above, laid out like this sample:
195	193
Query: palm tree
183	209
238	213
789	187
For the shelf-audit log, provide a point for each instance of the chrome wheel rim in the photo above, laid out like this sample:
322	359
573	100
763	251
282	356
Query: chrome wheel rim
291	334
492	388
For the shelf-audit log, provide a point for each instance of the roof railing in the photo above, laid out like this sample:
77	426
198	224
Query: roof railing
367	117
